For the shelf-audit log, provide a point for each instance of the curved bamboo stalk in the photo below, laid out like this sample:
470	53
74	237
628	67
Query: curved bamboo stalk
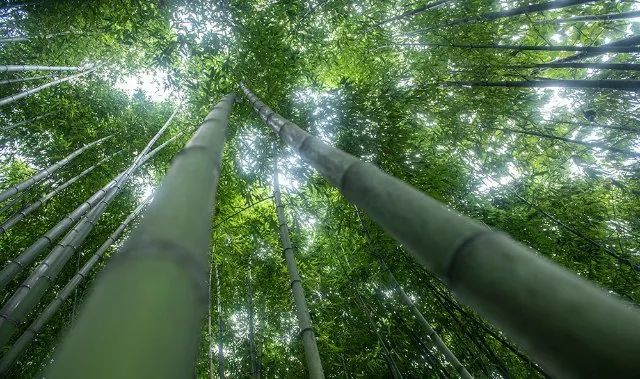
522	293
28	209
26	67
163	270
4	195
314	363
21	80
27	296
18	96
24	122
36	326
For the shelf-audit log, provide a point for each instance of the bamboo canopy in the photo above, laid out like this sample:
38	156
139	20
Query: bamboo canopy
520	292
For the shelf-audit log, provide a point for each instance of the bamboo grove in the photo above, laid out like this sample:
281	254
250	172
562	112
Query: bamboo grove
331	188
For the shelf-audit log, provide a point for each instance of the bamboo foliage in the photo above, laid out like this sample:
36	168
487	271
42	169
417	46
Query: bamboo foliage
24	122
314	364
520	292
43	318
11	191
27	296
28	209
163	270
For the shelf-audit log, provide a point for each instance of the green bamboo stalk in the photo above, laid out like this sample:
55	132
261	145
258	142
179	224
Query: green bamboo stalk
570	326
28	209
24	122
21	80
255	369
25	67
595	50
314	364
36	326
629	42
614	84
595	17
4	195
13	267
154	330
27	296
221	373
10	99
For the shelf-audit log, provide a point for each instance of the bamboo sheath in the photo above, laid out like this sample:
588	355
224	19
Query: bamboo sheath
4	195
153	331
36	326
312	355
567	324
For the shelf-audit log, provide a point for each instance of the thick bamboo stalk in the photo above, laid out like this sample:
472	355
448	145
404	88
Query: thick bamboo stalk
620	85
595	17
209	328
27	296
25	258
24	122
18	96
21	80
36	326
629	42
570	326
4	195
25	67
154	330
312	355
28	209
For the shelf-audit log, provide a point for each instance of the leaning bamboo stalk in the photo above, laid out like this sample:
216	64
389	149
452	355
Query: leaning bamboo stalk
221	373
312	355
24	122
629	42
26	67
28	209
595	17
14	266
602	49
36	326
614	84
524	294
163	270
21	80
18	96
4	195
27	296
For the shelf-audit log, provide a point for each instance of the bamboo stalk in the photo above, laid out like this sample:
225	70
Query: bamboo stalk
24	122
25	67
22	80
595	17
314	363
28	209
163	270
10	99
43	318
13	190
570	326
27	296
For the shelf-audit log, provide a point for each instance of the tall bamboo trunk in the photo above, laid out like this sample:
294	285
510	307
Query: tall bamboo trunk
4	195
27	296
10	99
25	67
629	42
595	17
24	122
209	328
620	85
21	80
13	267
255	370
162	268
589	65
596	50
314	364
476	262
36	326
28	209
221	374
